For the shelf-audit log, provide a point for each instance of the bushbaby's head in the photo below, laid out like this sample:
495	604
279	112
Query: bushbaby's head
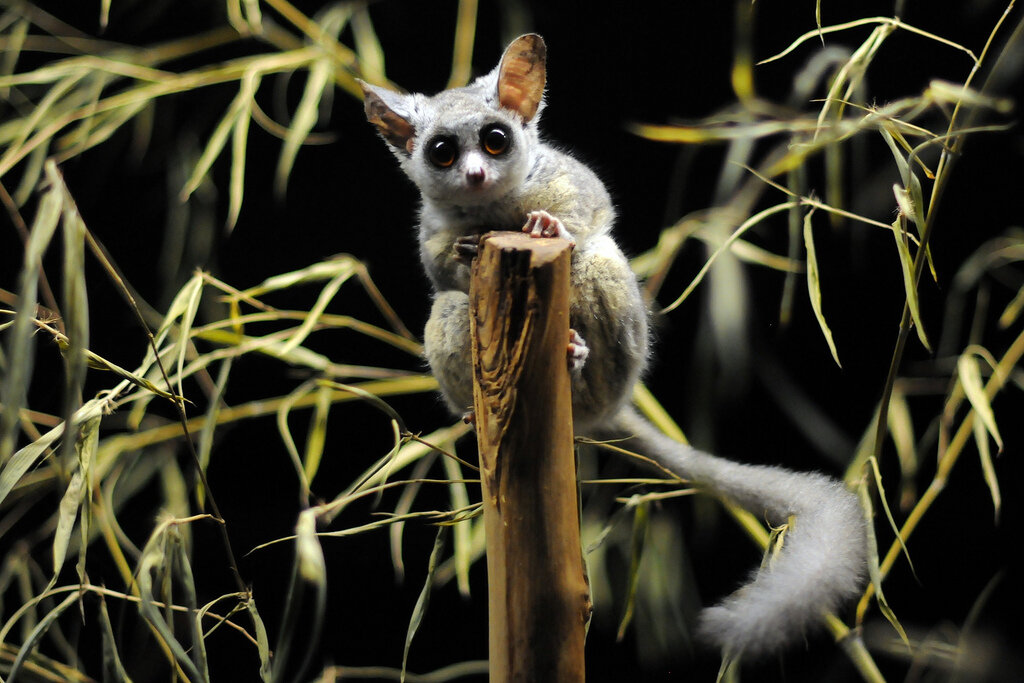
468	146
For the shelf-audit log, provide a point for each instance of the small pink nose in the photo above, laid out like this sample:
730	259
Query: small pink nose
475	176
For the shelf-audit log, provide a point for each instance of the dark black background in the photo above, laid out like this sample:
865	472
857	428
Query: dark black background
608	66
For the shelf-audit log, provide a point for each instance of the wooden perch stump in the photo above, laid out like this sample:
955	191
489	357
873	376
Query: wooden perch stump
539	600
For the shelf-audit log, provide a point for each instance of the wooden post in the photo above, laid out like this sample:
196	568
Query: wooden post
538	595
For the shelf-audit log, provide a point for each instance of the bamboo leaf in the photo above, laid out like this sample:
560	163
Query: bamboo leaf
910	197
796	181
113	669
183	569
71	502
727	244
378	403
67	513
29	646
270	345
1013	310
181	304
653	411
154	560
462	546
75	302
181	310
262	642
474	511
32	171
310	555
368	48
962	95
245	16
987	468
239	139
641	523
401	512
306	115
253	15
104	14
99	363
970	378
901	429
873	461
89	95
907	267
66	82
334	18
608	525
283	411
453	517
317	437
20	350
105	124
15	36
194	290
873	568
814	286
210	424
901	426
423	601
462	49
729	669
309	568
240	104
324	270
15	468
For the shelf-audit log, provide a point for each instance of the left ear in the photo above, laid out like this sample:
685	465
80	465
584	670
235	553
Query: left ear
522	74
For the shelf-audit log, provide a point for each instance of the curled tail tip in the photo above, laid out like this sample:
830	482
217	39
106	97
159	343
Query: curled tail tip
756	627
786	602
733	632
821	566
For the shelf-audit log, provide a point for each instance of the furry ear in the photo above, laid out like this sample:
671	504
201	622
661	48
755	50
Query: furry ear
380	105
522	74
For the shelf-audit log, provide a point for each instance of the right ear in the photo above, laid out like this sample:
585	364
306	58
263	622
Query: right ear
521	75
380	106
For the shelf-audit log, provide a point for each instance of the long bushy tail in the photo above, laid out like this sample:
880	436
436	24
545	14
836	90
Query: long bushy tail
822	562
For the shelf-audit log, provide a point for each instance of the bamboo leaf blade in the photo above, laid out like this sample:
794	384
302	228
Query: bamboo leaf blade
814	286
423	601
909	282
321	73
20	352
970	379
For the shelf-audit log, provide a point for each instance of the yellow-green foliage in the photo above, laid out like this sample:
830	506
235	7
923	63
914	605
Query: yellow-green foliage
86	465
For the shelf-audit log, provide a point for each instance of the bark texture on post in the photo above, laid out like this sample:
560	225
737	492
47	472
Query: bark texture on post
538	595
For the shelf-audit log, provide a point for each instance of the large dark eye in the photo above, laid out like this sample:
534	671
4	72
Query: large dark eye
442	151
495	139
